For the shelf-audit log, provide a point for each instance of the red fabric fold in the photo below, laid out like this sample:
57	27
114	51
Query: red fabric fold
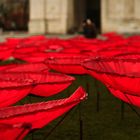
67	64
11	91
131	99
43	84
29	67
35	115
12	95
35	57
120	75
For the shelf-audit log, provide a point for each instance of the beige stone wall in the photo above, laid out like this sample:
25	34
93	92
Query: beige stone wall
55	16
120	15
61	16
37	16
51	16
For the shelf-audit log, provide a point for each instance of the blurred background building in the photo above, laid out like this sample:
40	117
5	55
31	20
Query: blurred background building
66	16
14	14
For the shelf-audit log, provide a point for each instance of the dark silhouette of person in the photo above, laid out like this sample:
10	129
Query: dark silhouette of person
89	29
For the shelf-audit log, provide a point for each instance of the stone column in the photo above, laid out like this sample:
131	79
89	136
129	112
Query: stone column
59	15
120	16
37	16
53	16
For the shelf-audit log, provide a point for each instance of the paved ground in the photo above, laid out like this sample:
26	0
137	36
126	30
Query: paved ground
5	35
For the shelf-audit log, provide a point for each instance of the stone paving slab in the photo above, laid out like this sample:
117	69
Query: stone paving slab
5	35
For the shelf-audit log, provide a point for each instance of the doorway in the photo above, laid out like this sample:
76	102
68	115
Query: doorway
93	12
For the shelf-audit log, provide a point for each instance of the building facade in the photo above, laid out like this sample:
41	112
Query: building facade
66	16
62	16
121	16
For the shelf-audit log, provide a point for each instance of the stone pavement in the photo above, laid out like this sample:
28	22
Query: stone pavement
4	35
